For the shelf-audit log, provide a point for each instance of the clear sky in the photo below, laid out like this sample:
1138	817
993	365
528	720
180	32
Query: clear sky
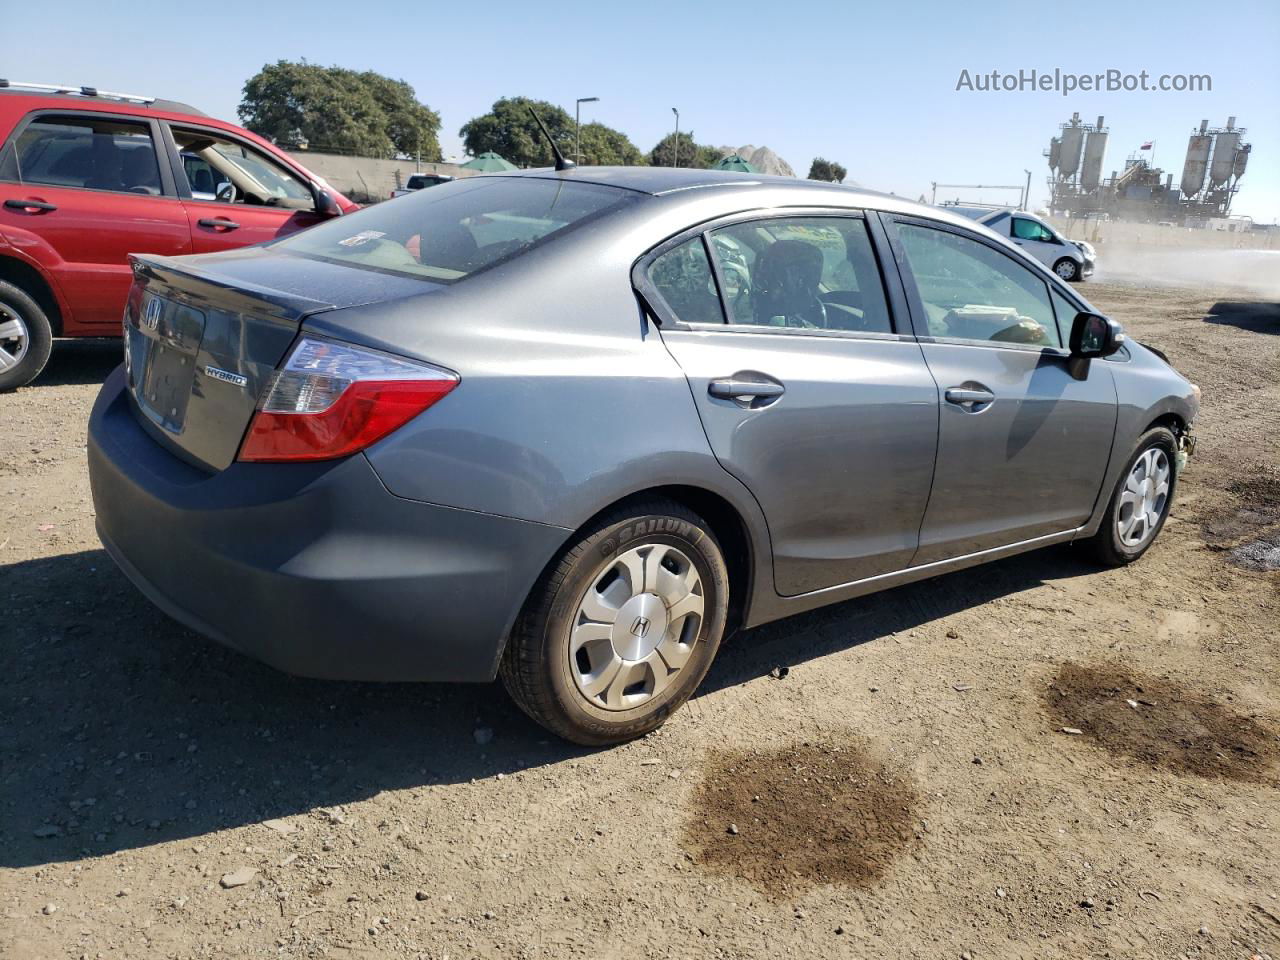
871	86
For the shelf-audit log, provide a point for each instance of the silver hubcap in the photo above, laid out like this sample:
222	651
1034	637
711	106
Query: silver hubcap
1066	269
13	340
1144	497
636	626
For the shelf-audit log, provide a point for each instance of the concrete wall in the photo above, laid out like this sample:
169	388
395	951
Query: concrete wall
1117	232
365	179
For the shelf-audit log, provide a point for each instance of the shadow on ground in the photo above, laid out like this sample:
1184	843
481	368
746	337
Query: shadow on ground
1254	316
74	362
124	730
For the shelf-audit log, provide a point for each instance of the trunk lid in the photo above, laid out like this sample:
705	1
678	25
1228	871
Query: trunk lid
203	336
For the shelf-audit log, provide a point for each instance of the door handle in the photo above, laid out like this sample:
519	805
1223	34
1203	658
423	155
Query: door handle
746	393
969	398
30	206
218	223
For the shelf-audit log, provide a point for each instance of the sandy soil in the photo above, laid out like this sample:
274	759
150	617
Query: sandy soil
904	789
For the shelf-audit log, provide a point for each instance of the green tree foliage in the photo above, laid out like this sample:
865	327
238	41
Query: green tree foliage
604	146
827	170
332	107
691	153
509	131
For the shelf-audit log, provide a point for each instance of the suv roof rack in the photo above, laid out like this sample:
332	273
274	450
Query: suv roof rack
95	93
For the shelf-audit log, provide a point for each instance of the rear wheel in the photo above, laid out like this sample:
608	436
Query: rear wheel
1067	269
26	337
1140	502
622	630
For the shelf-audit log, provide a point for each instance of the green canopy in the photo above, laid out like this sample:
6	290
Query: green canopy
735	163
489	163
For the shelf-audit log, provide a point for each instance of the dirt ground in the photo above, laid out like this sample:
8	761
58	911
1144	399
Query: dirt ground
1033	758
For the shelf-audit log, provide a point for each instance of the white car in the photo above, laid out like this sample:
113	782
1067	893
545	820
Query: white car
419	181
1072	260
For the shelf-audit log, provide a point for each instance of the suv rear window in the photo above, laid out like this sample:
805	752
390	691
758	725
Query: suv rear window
445	233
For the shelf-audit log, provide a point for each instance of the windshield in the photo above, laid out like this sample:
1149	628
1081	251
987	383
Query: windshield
445	233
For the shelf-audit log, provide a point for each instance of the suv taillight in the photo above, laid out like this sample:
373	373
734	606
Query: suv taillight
331	399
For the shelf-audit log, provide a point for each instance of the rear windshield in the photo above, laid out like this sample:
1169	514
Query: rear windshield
445	233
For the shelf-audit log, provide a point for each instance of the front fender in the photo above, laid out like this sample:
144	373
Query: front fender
1147	390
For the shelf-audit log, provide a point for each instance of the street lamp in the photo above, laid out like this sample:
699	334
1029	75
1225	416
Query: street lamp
1026	195
676	148
577	135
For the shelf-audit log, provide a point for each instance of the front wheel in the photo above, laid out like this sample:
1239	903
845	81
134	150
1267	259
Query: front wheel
1140	502
1067	269
622	630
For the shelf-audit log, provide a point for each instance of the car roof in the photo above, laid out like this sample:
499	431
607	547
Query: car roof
672	181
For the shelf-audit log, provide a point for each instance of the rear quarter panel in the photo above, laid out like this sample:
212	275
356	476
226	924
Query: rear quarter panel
568	400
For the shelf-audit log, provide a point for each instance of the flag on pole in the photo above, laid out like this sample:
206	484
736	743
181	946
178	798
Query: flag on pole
1148	145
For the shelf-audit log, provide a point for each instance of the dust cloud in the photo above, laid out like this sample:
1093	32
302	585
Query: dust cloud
1256	272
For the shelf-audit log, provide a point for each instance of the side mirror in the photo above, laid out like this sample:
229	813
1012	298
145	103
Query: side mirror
226	192
325	204
1093	335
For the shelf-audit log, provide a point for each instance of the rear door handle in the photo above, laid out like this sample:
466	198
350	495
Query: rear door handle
746	393
970	398
31	206
219	223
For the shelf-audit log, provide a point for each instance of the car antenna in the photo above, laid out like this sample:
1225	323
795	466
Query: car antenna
561	162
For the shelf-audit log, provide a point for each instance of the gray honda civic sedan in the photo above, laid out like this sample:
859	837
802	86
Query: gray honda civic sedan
575	427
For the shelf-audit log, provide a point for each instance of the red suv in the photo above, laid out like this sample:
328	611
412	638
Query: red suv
88	177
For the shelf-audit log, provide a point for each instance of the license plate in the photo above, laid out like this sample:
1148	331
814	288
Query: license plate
166	386
168	339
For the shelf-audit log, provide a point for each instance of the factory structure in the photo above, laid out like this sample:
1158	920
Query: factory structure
1215	161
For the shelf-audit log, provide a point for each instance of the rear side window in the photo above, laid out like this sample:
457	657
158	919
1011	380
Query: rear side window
683	276
808	273
85	152
445	233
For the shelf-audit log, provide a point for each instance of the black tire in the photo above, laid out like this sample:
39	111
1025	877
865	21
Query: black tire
37	334
1105	546
536	668
1067	269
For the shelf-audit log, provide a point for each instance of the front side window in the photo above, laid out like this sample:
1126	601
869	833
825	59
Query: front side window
972	292
1025	229
222	169
86	152
450	231
803	272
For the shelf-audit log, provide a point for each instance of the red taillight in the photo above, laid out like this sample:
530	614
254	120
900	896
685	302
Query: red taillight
331	400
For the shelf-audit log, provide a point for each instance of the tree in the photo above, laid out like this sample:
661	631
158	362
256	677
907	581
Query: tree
827	170
603	145
691	153
331	107
510	132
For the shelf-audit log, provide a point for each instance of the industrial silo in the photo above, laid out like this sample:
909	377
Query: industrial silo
1055	153
1095	145
1069	151
1193	169
1242	160
1224	156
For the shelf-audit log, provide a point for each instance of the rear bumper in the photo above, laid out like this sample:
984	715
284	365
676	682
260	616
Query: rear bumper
315	569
